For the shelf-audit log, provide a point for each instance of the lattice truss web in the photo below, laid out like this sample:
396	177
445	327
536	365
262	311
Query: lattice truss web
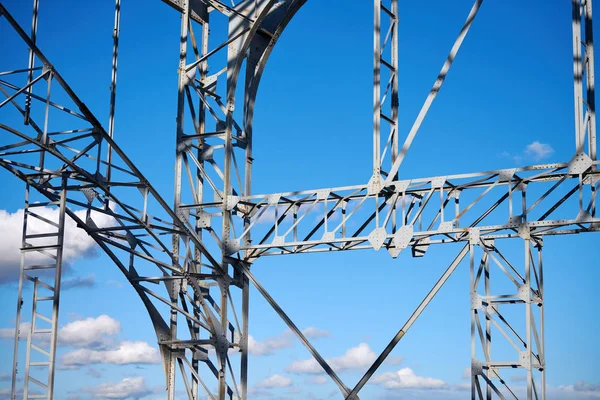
190	263
63	149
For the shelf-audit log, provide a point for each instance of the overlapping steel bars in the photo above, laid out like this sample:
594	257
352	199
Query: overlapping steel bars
215	217
115	213
385	88
583	70
549	199
514	284
41	272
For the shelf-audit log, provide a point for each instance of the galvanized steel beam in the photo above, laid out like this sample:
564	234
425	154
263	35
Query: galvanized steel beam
216	223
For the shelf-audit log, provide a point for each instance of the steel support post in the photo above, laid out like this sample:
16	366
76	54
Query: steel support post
205	167
376	91
41	271
201	129
173	287
434	92
584	86
213	199
113	86
500	291
31	65
385	88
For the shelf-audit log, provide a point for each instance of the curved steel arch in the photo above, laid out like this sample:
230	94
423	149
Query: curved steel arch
133	237
209	187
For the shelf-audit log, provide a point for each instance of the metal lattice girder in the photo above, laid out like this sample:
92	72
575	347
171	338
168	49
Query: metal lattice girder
507	319
201	250
207	167
115	213
549	199
214	144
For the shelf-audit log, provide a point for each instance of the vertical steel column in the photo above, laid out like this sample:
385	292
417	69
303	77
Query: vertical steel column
589	70
376	89
577	74
19	303
583	72
41	254
395	102
174	287
488	322
473	241
385	86
395	20
113	85
434	91
244	282
34	23
57	279
493	302
200	180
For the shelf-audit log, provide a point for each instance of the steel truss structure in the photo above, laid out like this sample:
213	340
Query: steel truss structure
191	263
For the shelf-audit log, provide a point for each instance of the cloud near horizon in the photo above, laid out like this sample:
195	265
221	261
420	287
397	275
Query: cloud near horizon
285	340
77	243
359	357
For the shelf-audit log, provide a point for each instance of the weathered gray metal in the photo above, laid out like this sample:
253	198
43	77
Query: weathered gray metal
41	267
213	225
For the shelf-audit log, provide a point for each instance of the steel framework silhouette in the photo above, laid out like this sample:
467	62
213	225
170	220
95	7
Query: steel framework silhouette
190	263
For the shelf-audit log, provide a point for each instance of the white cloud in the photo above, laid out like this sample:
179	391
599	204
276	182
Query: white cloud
77	243
275	381
128	387
116	284
538	150
282	341
5	393
578	391
315	333
9	333
94	338
582	389
535	151
89	332
269	345
319	380
257	393
126	353
405	378
78	282
358	357
462	386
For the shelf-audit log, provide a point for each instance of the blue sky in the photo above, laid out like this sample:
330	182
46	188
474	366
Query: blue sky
510	86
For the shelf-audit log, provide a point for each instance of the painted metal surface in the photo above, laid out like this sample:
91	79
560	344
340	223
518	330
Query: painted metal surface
191	263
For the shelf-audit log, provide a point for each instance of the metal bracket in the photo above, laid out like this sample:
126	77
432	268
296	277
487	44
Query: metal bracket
580	163
375	185
377	237
474	236
476	301
438	182
231	246
403	236
231	201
